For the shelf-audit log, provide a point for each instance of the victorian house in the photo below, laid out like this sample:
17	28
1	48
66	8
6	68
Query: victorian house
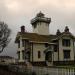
42	48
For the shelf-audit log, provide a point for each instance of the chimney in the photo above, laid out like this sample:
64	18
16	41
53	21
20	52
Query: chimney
66	29
58	32
22	29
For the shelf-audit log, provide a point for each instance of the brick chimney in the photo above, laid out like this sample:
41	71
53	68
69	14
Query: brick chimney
66	29
22	29
58	32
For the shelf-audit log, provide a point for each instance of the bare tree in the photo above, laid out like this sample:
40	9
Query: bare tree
4	35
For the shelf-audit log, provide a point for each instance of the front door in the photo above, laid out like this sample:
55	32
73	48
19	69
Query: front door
48	56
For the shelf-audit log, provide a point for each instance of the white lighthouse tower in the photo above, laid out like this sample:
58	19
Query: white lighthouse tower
41	24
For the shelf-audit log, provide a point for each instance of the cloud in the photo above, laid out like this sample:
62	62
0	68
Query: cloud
19	7
13	6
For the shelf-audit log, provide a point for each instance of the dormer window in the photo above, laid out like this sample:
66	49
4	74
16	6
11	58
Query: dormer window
66	42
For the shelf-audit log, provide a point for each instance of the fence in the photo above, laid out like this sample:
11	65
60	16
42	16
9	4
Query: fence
23	70
53	71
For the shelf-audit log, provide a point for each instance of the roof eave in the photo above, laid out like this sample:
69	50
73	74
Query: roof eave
38	42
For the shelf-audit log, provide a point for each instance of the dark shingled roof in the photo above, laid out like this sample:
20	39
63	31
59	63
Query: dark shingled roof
34	37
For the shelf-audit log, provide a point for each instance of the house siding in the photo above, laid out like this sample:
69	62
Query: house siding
36	48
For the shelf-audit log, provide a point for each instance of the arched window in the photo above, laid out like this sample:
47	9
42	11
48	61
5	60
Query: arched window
39	54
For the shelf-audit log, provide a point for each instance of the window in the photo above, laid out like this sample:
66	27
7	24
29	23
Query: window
18	44
46	44
23	55
66	42
23	41
66	54
34	26
28	56
48	56
39	54
19	55
55	48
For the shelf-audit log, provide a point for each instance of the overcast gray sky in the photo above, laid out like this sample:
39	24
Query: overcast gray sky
19	12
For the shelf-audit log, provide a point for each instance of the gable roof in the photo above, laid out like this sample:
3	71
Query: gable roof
68	34
34	37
